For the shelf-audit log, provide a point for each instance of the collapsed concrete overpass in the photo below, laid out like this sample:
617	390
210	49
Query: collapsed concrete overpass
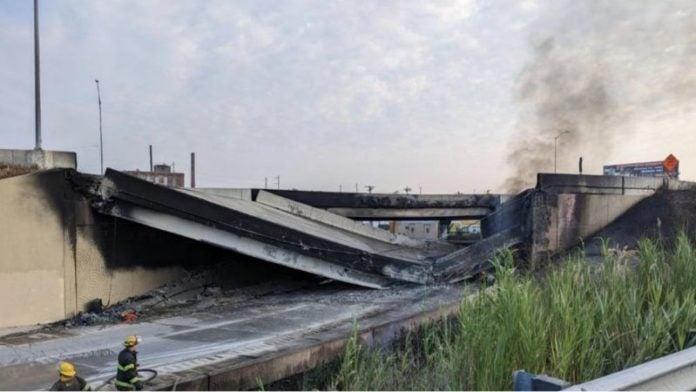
315	242
277	336
116	236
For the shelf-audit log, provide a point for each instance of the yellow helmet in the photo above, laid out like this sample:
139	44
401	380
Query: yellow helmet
66	369
131	341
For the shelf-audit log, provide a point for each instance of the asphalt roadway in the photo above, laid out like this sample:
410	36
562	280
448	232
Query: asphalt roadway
231	346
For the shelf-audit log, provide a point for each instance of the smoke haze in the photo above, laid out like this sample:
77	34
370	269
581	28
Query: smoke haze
600	70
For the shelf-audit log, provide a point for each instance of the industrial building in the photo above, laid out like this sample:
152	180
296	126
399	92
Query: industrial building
161	174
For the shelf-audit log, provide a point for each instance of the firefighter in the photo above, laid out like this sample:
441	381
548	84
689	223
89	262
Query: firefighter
69	380
127	372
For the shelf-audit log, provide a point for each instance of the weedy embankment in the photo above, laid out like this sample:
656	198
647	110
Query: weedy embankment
579	321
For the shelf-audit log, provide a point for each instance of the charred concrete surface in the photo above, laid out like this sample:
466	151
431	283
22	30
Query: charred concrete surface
35	264
564	211
661	216
57	254
471	261
111	237
604	185
328	200
230	345
386	206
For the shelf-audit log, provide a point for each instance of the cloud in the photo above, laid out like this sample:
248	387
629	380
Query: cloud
320	92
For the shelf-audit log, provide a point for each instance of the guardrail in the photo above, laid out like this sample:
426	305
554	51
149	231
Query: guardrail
672	372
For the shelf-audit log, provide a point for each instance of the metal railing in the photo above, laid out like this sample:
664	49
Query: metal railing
672	372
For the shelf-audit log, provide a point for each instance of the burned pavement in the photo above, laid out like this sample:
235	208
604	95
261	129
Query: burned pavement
291	275
267	331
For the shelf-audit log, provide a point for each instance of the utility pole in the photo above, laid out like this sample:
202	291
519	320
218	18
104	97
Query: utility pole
37	78
340	188
369	188
265	183
101	142
555	148
193	170
151	158
420	189
278	181
356	187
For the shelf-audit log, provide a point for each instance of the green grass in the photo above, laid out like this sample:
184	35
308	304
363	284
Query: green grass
581	320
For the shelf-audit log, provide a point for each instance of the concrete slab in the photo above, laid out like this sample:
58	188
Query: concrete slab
468	262
248	246
388	200
412	213
266	338
328	218
233	193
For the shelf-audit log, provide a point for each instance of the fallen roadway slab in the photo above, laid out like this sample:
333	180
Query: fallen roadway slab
233	346
337	250
467	263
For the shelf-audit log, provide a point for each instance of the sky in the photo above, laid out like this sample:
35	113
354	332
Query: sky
437	96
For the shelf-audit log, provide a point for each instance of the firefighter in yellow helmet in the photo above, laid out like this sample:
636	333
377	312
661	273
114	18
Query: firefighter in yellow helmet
127	372
69	380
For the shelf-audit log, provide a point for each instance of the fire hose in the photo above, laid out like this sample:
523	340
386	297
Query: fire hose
153	375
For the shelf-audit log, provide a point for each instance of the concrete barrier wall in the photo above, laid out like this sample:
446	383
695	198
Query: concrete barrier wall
561	221
94	279
582	215
607	185
42	159
34	251
51	263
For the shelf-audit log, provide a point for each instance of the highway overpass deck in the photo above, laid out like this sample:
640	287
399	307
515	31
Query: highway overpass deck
382	206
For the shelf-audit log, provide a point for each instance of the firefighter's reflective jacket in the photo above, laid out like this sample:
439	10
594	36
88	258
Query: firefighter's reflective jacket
127	372
75	383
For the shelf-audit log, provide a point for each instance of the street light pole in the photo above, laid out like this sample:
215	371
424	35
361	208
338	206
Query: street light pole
101	144
37	78
555	148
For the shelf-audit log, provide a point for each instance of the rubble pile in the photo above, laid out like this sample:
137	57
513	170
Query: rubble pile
200	289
